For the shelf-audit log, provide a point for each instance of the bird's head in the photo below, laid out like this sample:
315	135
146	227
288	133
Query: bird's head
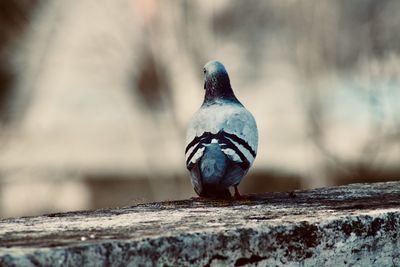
216	82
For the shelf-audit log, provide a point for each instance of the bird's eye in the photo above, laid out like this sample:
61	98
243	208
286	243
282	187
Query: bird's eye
204	70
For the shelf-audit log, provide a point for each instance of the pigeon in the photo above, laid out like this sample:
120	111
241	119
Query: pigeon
221	139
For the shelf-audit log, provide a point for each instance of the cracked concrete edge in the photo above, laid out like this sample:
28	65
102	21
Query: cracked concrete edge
361	240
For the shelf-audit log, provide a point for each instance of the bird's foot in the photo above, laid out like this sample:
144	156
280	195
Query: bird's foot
237	195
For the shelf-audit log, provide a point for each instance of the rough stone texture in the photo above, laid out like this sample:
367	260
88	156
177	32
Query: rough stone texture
357	225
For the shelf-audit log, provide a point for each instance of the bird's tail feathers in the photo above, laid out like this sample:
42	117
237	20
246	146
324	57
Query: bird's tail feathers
213	164
213	168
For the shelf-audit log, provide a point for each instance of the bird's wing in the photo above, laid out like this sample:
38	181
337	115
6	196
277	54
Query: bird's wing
233	175
194	150
232	126
196	179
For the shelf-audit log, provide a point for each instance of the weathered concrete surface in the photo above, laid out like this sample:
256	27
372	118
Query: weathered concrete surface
356	225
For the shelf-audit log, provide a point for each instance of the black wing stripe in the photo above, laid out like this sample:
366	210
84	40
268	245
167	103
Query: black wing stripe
200	141
228	144
234	137
237	146
242	142
196	140
225	138
199	145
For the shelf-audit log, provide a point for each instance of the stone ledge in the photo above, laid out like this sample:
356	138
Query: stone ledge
349	225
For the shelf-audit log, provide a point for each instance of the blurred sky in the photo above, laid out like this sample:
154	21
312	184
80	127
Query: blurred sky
95	96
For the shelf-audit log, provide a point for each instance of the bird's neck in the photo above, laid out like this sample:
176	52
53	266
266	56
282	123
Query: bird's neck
210	100
218	88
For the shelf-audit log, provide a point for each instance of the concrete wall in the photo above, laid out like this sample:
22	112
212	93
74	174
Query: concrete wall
356	225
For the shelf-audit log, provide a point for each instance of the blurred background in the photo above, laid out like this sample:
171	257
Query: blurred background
95	96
